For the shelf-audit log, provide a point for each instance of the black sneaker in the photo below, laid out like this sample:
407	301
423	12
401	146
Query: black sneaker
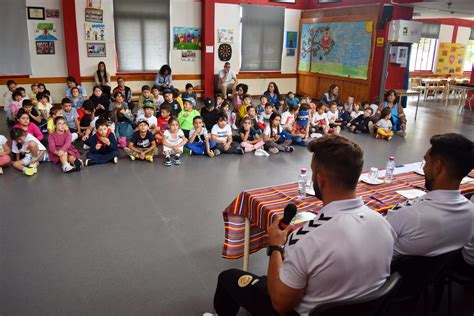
177	160
90	162
77	165
242	151
290	149
168	161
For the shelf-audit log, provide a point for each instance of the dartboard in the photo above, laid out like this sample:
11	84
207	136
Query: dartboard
225	52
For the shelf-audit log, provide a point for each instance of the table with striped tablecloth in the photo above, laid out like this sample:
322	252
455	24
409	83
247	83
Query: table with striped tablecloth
248	217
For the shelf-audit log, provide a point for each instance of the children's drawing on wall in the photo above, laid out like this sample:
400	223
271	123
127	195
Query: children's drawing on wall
45	48
188	55
45	31
187	38
94	31
225	35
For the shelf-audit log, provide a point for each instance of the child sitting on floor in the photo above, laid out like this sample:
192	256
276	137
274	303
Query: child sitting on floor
175	107
247	101
333	117
288	117
173	142
148	116
56	111
88	116
251	114
35	117
291	99
144	97
280	106
28	151
13	108
363	123
189	93
123	127
103	145
33	93
275	140
251	141
61	149
261	107
118	102
384	125
209	114
219	100
320	122
76	98
157	97
265	118
163	122
43	106
300	127
199	142
5	152
25	124
71	116
356	110
226	108
221	133
186	117
142	145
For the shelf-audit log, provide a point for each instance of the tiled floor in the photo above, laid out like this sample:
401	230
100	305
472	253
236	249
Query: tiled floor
142	239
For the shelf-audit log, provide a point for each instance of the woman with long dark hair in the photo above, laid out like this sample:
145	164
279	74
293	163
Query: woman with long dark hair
399	120
272	94
164	79
332	94
102	78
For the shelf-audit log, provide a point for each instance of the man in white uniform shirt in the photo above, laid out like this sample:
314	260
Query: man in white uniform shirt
227	80
442	220
344	253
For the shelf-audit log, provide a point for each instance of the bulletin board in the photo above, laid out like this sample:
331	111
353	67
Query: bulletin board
450	59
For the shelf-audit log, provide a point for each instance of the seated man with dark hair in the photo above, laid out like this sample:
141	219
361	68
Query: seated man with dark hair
440	221
344	253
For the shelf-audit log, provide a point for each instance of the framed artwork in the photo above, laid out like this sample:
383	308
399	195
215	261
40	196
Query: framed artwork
188	55
225	35
94	15
187	38
35	13
291	38
45	31
52	13
96	4
96	50
45	48
94	31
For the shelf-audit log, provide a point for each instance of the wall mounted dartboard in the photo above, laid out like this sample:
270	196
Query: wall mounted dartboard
225	52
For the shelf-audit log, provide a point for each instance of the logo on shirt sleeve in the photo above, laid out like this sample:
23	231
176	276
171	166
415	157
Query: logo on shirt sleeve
296	236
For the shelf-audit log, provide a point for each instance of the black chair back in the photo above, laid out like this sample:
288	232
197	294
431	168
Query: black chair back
370	304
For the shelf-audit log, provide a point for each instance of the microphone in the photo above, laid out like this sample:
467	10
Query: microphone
289	213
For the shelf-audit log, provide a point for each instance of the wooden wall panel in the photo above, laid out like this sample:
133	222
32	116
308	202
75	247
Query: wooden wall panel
315	86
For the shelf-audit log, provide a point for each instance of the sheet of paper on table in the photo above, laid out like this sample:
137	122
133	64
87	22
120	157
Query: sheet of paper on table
411	194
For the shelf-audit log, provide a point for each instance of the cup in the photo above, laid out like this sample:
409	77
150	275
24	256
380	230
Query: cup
373	174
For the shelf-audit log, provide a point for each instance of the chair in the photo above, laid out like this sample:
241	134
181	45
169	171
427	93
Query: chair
420	274
369	304
459	273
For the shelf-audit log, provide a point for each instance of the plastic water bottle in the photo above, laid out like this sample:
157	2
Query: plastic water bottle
302	183
389	170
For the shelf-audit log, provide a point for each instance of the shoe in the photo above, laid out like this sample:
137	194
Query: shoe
337	130
190	152
234	126
241	151
401	133
149	158
167	161
78	164
389	138
1	170
177	160
209	314
46	157
68	168
115	160
274	150
132	157
261	153
377	136
30	171
286	142
316	135
290	149
217	152
90	162
86	147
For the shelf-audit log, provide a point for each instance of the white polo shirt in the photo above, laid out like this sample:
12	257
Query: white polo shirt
468	251
345	253
436	223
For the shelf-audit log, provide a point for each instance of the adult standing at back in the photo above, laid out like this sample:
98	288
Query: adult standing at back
164	79
333	257
332	94
102	78
399	119
227	80
272	94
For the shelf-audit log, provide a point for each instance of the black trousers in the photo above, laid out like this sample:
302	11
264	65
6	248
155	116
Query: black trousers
233	149
230	296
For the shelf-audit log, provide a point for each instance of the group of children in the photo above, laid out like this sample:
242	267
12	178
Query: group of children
164	118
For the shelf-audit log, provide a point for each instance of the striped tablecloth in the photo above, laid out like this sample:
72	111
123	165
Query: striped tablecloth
262	205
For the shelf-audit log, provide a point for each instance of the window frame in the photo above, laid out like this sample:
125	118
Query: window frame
419	59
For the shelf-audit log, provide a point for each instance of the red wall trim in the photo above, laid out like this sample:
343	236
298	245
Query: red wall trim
207	59
70	38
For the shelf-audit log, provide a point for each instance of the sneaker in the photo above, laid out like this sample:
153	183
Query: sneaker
190	152
286	142
234	126
30	171
371	127
167	161
217	152
389	138
290	149
90	162
401	133
78	164
115	160
261	153
274	150
46	157
377	136
68	168
86	147
1	170
149	158
316	135
177	160
132	157
241	151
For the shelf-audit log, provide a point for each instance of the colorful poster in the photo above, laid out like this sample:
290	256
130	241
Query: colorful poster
52	13
94	31
94	15
188	55
290	52
45	31
450	59
291	39
340	48
45	48
96	50
225	35
187	38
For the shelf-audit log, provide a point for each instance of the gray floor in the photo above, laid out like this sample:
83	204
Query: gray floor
142	239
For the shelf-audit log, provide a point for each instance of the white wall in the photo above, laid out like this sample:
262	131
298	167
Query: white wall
227	16
463	35
292	24
48	65
446	33
184	13
88	65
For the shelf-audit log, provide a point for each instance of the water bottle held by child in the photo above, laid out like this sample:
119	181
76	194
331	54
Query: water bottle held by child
389	169
302	183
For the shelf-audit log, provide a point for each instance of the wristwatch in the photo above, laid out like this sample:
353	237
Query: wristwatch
270	249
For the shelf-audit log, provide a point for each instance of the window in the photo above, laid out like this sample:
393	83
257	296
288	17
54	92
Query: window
423	54
142	34
262	37
469	57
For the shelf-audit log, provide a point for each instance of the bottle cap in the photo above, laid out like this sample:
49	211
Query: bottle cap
392	158
303	170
